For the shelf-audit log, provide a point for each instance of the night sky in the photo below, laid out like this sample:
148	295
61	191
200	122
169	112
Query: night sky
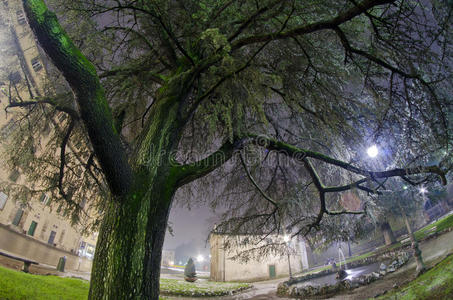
189	225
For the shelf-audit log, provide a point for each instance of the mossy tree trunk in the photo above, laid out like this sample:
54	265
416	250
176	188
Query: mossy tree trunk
128	255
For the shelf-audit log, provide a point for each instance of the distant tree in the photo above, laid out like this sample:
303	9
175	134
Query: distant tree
389	236
189	270
289	93
404	203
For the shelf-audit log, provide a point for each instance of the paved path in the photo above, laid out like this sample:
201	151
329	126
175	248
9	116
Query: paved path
262	290
434	249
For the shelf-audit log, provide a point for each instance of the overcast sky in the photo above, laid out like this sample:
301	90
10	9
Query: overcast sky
189	225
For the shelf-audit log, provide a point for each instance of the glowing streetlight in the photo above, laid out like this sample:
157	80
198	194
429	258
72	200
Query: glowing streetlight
422	190
372	151
286	238
200	258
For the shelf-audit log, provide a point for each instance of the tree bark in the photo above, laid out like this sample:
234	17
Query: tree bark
387	231
128	255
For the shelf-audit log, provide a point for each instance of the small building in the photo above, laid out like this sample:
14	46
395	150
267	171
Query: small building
224	268
168	258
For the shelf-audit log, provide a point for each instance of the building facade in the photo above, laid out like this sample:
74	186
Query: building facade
224	268
34	228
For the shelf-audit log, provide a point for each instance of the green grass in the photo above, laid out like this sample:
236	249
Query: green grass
441	225
199	288
362	256
437	284
16	285
19	285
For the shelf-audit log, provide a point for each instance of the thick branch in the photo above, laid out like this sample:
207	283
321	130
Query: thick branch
310	28
82	77
247	22
46	100
300	154
125	72
63	159
190	172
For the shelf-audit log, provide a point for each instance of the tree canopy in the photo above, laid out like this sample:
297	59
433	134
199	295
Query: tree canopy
276	100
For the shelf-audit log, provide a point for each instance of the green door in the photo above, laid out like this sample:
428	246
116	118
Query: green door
31	230
272	273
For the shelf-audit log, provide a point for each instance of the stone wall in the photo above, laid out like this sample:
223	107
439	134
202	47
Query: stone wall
396	259
22	245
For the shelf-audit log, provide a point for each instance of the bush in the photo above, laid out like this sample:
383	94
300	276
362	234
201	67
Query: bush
189	270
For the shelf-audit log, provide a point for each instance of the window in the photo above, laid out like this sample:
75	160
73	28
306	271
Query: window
14	175
21	17
83	203
51	237
44	199
90	251
62	117
17	217
3	198
8	128
14	77
45	132
60	239
36	64
31	230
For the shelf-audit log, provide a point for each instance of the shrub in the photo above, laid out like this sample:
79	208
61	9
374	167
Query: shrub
189	270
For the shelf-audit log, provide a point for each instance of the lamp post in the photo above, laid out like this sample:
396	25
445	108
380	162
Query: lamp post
287	240
417	253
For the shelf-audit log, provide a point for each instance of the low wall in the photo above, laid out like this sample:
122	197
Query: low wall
28	247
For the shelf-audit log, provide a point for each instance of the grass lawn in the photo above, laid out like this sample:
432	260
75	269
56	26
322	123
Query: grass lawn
350	259
437	284
16	285
441	224
19	285
199	288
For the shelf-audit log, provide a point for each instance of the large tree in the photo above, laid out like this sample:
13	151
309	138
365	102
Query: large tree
166	92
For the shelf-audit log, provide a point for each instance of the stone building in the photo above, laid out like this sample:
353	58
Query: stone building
33	228
168	258
224	268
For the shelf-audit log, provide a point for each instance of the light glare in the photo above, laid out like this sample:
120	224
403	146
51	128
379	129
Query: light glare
373	151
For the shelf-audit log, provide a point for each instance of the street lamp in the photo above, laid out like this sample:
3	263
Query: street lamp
422	190
287	240
200	258
372	151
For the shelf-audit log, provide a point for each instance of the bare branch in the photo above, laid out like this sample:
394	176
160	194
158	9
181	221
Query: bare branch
254	182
